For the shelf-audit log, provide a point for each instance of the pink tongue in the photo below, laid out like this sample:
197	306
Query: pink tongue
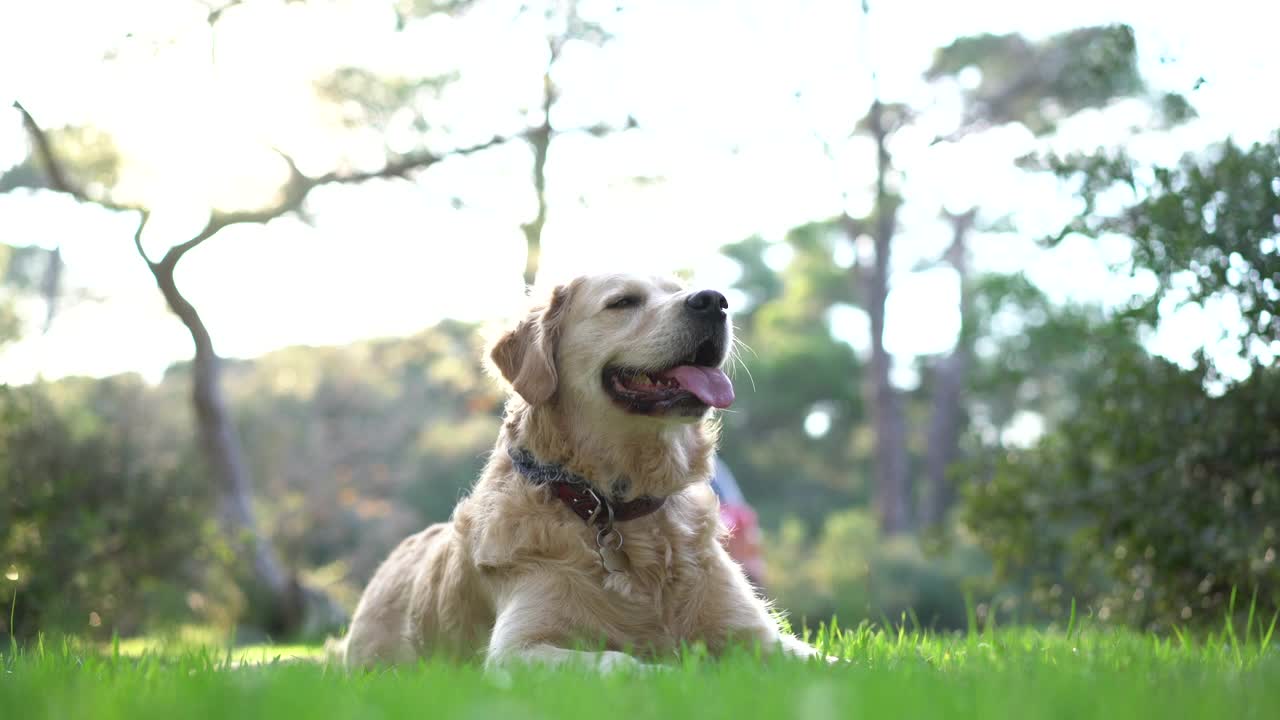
710	385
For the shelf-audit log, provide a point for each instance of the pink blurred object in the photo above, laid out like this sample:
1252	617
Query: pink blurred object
744	542
744	539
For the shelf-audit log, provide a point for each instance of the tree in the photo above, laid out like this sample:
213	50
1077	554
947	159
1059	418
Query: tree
81	162
797	370
893	478
942	444
279	595
278	598
565	24
1156	499
562	25
1035	84
893	491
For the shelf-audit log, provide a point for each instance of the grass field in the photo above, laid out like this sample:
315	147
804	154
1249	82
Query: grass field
1010	673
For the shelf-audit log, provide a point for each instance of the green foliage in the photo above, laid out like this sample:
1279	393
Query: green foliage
356	447
102	529
1174	109
756	280
10	322
371	100
1032	355
848	570
1152	503
793	366
1038	83
1207	229
1157	498
22	269
353	447
423	8
85	152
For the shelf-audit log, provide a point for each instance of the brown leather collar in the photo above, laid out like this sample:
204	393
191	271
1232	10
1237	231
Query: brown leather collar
577	494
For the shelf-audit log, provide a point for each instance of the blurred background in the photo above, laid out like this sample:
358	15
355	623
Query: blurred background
1009	275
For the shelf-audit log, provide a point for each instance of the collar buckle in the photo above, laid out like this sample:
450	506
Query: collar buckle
578	494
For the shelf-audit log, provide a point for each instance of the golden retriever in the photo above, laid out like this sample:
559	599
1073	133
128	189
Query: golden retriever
593	521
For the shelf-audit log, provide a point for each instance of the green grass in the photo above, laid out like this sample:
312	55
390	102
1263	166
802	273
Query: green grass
1008	673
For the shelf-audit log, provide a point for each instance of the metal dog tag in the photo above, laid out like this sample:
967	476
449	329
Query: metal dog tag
615	560
613	557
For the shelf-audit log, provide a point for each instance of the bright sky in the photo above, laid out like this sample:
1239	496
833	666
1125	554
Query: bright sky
712	84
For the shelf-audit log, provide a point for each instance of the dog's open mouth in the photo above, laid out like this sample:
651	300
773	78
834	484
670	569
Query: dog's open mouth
688	387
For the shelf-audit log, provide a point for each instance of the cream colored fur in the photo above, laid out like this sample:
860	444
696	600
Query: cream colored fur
514	575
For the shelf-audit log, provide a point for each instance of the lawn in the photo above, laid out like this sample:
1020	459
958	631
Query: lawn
1009	673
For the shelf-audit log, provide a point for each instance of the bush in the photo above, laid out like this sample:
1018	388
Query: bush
1158	498
98	537
1151	505
850	572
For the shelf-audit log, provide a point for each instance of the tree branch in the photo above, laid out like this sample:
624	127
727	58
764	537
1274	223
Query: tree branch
137	236
58	179
45	152
401	165
215	13
298	186
293	193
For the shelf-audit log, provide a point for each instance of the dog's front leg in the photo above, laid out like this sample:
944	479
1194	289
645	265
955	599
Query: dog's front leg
531	625
733	613
546	654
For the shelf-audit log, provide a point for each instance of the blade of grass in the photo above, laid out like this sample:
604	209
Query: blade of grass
971	616
13	630
1229	624
1253	606
1266	639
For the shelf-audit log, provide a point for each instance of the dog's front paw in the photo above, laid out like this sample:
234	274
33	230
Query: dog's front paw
612	661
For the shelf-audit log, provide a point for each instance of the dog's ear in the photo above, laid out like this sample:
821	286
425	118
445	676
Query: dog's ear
526	354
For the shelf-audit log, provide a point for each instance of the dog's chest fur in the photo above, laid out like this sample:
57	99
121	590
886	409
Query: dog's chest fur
653	605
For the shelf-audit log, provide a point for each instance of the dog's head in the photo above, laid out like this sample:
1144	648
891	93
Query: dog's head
643	347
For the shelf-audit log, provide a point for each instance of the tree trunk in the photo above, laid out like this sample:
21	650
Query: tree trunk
274	593
948	389
51	287
540	139
944	437
893	480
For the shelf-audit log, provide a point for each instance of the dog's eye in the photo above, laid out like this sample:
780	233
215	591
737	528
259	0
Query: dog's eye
624	302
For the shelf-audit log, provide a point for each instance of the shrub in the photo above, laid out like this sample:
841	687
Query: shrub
97	537
1153	504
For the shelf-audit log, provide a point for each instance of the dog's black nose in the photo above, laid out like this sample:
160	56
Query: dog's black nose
708	303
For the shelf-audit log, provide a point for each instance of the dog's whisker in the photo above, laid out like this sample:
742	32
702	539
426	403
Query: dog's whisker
740	342
739	361
735	360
